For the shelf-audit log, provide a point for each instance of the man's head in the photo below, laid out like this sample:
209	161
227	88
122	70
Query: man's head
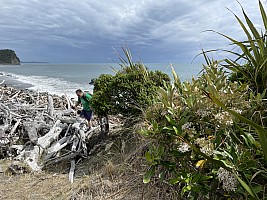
79	93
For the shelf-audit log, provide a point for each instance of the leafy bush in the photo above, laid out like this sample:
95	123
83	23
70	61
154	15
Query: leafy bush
202	150
129	91
201	137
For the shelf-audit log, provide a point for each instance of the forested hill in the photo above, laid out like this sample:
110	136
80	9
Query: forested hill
9	57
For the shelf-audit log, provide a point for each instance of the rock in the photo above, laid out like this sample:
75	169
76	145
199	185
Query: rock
1	170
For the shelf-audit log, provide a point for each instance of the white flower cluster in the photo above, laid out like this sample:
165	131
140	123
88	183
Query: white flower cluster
189	128
206	146
202	113
237	110
184	147
187	125
224	118
228	179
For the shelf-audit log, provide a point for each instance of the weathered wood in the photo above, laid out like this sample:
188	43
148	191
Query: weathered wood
4	141
51	136
46	131
3	129
31	97
50	106
5	110
37	98
56	147
15	95
14	127
73	149
68	120
31	157
75	140
69	103
31	130
15	114
83	142
72	168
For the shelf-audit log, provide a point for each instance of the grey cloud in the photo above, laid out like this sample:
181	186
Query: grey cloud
149	27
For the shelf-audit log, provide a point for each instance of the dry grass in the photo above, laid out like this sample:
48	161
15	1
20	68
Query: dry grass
114	174
35	186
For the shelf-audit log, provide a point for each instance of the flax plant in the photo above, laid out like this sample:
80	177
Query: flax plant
250	65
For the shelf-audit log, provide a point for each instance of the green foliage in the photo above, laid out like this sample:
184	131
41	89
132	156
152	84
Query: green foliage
249	65
205	149
262	133
8	56
129	91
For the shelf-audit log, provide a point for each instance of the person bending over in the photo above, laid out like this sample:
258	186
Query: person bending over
84	99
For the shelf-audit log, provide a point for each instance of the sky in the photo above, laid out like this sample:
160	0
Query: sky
89	31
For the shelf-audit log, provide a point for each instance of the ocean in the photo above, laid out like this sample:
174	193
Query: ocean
66	78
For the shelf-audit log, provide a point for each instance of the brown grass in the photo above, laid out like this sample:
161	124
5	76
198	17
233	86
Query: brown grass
115	174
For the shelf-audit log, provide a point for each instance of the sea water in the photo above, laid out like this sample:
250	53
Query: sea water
67	78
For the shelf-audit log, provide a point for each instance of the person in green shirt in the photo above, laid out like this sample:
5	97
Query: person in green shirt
84	100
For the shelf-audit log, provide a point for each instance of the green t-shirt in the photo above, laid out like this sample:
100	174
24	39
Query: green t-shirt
85	100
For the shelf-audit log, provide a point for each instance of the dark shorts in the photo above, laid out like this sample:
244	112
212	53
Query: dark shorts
87	114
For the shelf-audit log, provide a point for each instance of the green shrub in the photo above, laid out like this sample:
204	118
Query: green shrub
199	148
129	91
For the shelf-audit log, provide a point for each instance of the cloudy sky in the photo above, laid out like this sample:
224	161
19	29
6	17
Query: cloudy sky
88	30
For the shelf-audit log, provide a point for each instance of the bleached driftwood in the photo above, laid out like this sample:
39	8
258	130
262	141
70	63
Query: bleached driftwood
15	95
47	129
69	103
73	149
51	136
56	147
82	141
50	106
31	130
14	127
72	168
32	156
5	110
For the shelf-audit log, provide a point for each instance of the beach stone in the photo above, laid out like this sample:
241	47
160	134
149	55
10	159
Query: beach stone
1	169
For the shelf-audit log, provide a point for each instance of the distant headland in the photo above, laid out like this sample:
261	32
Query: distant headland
8	57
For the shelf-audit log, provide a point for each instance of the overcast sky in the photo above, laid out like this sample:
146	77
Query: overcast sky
88	30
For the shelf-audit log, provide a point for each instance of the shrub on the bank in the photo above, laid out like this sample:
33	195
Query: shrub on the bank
198	147
129	91
202	149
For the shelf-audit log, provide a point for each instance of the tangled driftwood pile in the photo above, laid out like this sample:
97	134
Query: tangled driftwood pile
40	129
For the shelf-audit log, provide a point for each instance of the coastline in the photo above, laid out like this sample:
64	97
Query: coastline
11	82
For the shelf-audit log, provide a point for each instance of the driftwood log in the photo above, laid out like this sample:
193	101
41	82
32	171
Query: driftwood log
40	129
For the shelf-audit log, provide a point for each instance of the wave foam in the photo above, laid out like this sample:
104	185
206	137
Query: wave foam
52	85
